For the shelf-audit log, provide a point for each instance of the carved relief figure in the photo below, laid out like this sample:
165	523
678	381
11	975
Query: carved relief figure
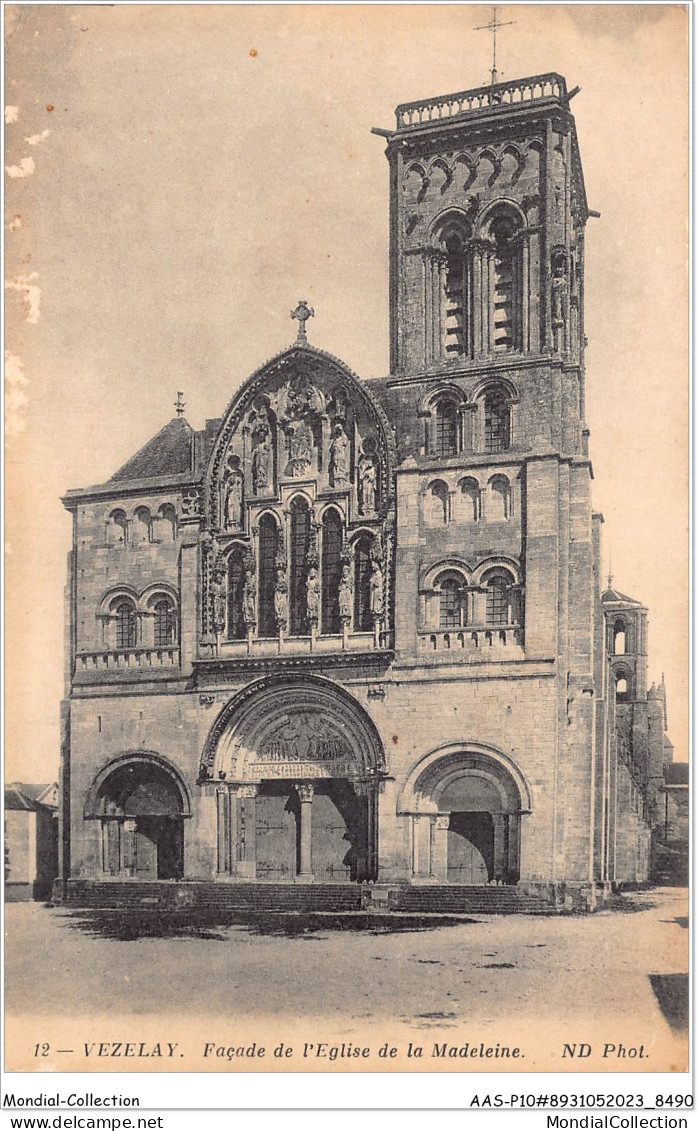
233	503
339	458
345	595
376	588
312	595
367	485
300	447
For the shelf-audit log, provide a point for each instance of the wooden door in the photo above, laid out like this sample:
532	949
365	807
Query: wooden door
276	837
146	835
470	848
335	828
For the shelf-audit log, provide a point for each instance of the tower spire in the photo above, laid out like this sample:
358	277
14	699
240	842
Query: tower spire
493	26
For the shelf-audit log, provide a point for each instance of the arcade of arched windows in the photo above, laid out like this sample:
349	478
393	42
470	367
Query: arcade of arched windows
477	285
471	606
469	499
453	426
302	576
140	526
131	621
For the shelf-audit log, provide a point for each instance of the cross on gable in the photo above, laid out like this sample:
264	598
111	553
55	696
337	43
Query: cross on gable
302	312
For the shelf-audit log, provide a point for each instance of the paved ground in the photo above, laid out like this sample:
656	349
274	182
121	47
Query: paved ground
478	968
619	974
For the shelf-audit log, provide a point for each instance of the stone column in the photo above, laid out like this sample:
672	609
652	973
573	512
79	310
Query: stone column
247	831
223	829
440	847
477	299
128	848
478	605
306	792
499	836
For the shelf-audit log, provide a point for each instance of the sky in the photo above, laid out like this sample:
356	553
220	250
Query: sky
177	177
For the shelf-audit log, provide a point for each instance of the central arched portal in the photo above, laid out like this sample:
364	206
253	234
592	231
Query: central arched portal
295	766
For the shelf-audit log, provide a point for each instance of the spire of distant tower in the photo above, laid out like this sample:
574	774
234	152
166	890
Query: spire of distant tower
493	26
609	571
179	404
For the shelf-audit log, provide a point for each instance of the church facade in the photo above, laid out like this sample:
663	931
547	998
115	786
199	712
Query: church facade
354	632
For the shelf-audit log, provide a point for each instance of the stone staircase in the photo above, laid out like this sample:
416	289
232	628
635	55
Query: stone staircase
467	900
434	899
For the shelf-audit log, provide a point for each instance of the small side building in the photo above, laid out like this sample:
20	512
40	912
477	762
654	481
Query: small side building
31	840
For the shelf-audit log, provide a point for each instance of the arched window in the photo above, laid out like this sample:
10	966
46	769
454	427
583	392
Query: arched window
505	300
498	598
125	624
621	688
498	503
451	608
497	426
332	537
236	628
299	542
165	626
454	312
451	335
446	430
436	504
118	528
268	545
142	525
167	523
468	500
361	584
619	638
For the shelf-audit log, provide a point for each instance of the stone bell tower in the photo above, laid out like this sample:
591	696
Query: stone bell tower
486	233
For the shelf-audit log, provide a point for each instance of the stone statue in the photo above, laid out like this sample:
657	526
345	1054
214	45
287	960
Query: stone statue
560	288
249	600
261	464
312	598
345	595
219	591
339	458
367	485
280	600
233	503
376	588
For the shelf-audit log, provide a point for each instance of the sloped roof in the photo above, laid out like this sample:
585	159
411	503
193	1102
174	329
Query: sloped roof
15	799
613	596
28	796
167	453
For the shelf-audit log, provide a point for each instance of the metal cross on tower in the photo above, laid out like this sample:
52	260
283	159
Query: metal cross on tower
493	26
302	312
179	404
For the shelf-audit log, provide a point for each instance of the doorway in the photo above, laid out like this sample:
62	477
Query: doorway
470	848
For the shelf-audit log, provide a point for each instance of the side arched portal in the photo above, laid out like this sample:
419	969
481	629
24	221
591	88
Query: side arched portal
141	803
295	765
465	803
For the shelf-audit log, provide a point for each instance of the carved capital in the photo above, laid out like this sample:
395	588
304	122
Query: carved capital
443	821
306	791
247	792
